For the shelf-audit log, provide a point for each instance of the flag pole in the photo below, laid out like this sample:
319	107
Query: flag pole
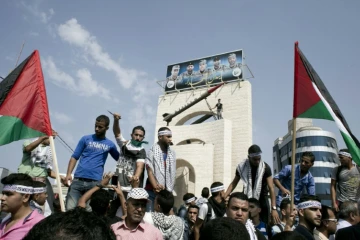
293	155
58	181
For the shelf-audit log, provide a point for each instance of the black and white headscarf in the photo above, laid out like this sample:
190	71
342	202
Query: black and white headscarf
172	227
244	170
155	161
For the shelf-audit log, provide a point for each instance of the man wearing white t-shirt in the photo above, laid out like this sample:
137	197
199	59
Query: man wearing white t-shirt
217	204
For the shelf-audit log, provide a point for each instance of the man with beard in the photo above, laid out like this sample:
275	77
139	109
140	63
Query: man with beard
217	64
215	208
232	61
193	212
171	226
160	165
352	232
347	178
309	216
131	162
189	71
238	209
328	224
133	227
257	177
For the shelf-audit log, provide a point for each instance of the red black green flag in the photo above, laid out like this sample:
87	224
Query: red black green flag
24	109
313	100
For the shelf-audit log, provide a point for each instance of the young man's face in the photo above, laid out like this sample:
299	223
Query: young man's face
192	214
344	160
331	222
286	213
135	209
232	60
238	210
311	215
254	210
305	164
100	128
138	135
255	161
13	201
165	139
40	198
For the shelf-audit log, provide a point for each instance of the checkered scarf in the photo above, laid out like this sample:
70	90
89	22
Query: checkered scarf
244	170
172	227
155	161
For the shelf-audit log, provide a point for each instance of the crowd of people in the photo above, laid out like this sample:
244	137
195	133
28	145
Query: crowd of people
132	207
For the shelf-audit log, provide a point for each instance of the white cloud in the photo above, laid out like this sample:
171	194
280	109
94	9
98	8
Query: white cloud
84	86
44	17
34	34
61	118
75	34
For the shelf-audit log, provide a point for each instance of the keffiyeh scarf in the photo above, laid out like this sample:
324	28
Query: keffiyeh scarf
172	227
251	229
244	170
155	161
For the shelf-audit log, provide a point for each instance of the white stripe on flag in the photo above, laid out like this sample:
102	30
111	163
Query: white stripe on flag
327	105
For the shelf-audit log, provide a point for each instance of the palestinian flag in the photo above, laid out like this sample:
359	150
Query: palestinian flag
312	100
24	109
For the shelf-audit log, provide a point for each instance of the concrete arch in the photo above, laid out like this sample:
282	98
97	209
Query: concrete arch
191	141
190	116
184	180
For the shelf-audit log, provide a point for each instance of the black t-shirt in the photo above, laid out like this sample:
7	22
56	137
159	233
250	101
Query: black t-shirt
219	106
304	232
264	186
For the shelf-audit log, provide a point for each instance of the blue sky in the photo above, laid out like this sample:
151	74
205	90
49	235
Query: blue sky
108	55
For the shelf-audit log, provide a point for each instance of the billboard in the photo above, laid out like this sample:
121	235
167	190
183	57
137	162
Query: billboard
205	71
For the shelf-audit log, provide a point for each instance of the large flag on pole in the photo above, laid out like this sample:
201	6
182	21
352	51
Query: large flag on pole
24	109
312	100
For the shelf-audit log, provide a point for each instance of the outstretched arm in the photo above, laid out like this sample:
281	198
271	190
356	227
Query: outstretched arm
232	185
116	125
34	144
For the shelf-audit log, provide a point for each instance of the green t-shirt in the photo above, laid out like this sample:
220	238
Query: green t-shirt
30	168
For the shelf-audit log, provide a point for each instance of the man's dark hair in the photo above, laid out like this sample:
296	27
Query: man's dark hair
325	213
224	228
187	196
254	149
238	195
76	224
56	205
309	155
166	200
288	235
103	118
139	128
18	179
344	150
255	201
214	185
99	202
284	203
193	206
346	208
205	193
163	129
306	197
37	184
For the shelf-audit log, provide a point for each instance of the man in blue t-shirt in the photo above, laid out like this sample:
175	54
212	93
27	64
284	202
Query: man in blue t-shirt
254	210
93	151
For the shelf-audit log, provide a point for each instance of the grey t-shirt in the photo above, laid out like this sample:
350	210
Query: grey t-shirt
347	184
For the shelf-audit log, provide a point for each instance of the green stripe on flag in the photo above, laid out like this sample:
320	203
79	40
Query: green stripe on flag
318	111
13	129
351	145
